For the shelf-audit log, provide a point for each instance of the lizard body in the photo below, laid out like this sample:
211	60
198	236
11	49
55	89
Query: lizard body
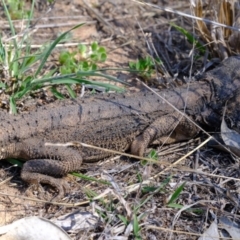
115	121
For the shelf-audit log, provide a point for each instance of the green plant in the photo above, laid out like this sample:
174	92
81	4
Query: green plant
92	179
191	39
24	71
136	227
152	155
172	201
16	9
145	66
154	190
18	79
84	59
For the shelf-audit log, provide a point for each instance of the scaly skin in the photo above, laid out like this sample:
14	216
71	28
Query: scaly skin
114	121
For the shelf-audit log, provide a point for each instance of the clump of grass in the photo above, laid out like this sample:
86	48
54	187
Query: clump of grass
221	41
132	216
191	39
17	10
83	59
23	71
145	67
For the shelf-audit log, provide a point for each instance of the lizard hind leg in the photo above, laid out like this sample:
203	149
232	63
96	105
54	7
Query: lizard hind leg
46	164
45	171
166	129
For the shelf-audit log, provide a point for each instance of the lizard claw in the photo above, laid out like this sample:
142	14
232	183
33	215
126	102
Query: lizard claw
36	179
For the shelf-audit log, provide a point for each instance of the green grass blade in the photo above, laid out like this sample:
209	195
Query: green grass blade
52	46
190	38
175	205
70	91
154	190
98	74
107	86
123	219
31	13
136	227
56	93
2	52
67	79
20	94
28	61
90	193
176	194
13	107
82	176
15	162
2	85
10	24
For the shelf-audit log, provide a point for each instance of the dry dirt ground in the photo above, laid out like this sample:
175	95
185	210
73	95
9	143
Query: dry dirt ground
129	31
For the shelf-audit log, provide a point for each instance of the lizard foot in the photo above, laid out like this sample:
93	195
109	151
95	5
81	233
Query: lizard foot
35	179
47	171
46	164
166	129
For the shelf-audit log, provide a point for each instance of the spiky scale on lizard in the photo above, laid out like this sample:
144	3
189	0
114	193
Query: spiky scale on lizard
118	122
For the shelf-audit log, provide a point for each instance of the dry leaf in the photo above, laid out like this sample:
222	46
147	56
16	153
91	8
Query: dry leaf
32	228
211	233
77	220
230	137
232	228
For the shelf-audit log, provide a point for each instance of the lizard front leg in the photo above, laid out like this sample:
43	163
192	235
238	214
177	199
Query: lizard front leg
44	164
166	129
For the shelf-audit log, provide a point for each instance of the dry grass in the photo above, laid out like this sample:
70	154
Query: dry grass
222	40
